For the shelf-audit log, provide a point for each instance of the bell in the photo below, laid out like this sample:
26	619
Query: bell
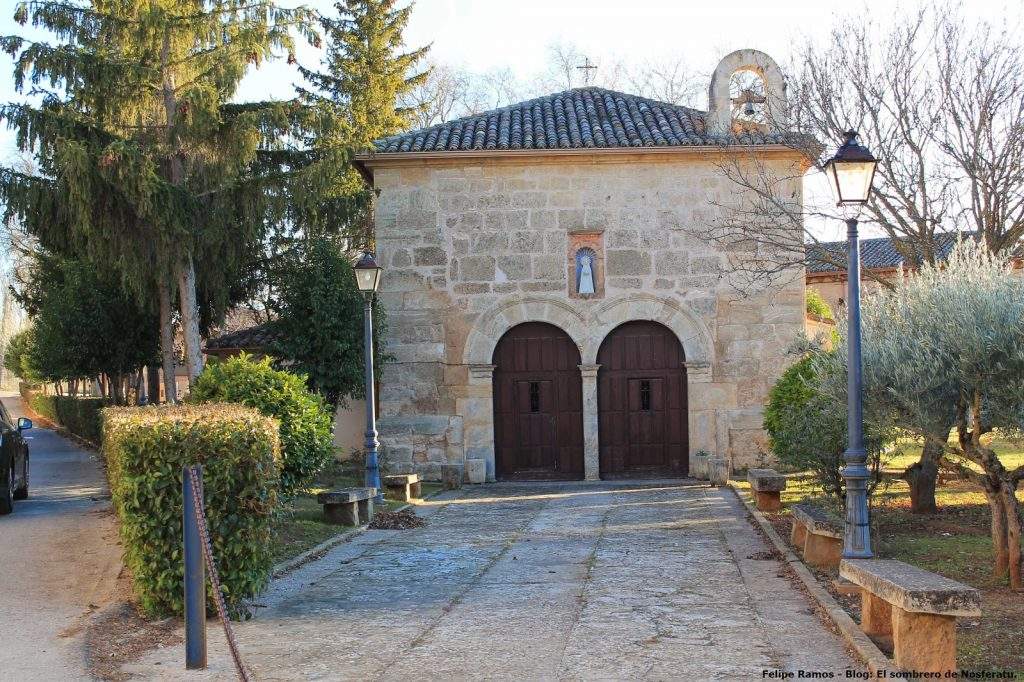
749	110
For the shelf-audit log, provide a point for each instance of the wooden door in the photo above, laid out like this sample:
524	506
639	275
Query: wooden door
538	405
641	395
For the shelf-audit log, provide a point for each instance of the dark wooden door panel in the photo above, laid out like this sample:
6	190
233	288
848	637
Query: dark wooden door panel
538	404
643	416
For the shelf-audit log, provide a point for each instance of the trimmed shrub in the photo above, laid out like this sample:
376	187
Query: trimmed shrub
80	416
146	448
306	441
807	430
816	305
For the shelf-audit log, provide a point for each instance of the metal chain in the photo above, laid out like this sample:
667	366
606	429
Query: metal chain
211	568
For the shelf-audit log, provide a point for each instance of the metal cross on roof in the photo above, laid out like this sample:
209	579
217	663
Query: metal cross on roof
588	69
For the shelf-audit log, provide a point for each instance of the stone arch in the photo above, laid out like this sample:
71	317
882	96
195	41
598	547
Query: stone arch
687	326
719	104
492	325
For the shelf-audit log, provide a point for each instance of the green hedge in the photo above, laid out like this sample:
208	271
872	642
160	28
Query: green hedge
80	416
146	448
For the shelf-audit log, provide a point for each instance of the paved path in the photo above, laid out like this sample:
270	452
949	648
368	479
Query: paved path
538	582
58	556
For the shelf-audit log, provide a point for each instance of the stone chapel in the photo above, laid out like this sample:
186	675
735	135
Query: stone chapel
548	311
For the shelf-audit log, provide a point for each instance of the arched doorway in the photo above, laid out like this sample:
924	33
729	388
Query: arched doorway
538	404
641	398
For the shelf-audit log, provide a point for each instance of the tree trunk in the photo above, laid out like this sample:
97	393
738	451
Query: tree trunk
999	548
167	342
152	385
1011	509
184	266
921	477
190	318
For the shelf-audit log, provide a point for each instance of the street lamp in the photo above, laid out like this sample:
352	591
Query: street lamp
851	172
368	279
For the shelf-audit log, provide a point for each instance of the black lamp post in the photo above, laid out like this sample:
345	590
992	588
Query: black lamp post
368	279
851	172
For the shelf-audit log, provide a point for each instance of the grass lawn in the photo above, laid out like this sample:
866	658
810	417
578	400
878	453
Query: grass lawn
300	525
955	543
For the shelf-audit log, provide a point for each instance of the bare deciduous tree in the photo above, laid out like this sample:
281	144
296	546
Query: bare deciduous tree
667	80
940	101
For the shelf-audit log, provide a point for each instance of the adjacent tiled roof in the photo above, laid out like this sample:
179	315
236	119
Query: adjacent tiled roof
575	119
877	253
251	338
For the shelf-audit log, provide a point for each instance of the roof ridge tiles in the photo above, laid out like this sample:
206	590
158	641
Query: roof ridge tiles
589	117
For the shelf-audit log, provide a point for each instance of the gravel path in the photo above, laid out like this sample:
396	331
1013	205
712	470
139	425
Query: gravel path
537	582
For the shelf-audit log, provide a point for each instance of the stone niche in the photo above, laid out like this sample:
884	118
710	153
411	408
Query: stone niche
582	241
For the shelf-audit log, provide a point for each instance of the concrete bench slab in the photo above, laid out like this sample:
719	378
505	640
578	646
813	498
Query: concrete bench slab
914	608
348	506
401	487
819	534
817	520
767	485
911	588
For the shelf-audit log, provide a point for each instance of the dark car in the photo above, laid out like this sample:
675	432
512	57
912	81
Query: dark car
13	460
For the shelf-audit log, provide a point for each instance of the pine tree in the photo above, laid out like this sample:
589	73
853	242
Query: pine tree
144	163
365	73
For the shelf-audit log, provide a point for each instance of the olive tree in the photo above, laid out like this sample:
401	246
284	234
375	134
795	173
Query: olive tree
945	347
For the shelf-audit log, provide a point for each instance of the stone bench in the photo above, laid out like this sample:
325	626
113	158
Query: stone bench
767	485
401	487
818	534
348	506
915	608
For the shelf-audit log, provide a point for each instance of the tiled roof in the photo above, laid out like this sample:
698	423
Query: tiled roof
249	339
876	253
583	118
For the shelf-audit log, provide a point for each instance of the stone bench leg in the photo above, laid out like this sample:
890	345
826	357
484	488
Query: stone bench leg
365	511
769	501
923	642
344	514
823	551
875	616
798	536
398	493
414	490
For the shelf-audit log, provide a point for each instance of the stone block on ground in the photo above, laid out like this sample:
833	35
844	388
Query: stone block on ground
451	476
718	471
822	551
699	466
476	471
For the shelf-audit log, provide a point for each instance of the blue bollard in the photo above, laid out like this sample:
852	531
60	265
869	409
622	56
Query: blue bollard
195	578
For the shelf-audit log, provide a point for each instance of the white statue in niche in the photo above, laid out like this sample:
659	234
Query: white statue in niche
585	271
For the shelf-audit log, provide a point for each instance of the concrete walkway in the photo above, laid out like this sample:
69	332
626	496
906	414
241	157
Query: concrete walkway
537	582
59	559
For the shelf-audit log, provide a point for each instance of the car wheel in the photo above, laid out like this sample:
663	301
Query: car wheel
7	493
22	492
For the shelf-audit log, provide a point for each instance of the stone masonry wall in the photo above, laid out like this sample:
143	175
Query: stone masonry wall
459	241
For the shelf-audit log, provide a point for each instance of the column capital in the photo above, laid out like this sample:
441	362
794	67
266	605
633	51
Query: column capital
481	371
589	371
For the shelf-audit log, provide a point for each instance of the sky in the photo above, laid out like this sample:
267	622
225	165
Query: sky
480	35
